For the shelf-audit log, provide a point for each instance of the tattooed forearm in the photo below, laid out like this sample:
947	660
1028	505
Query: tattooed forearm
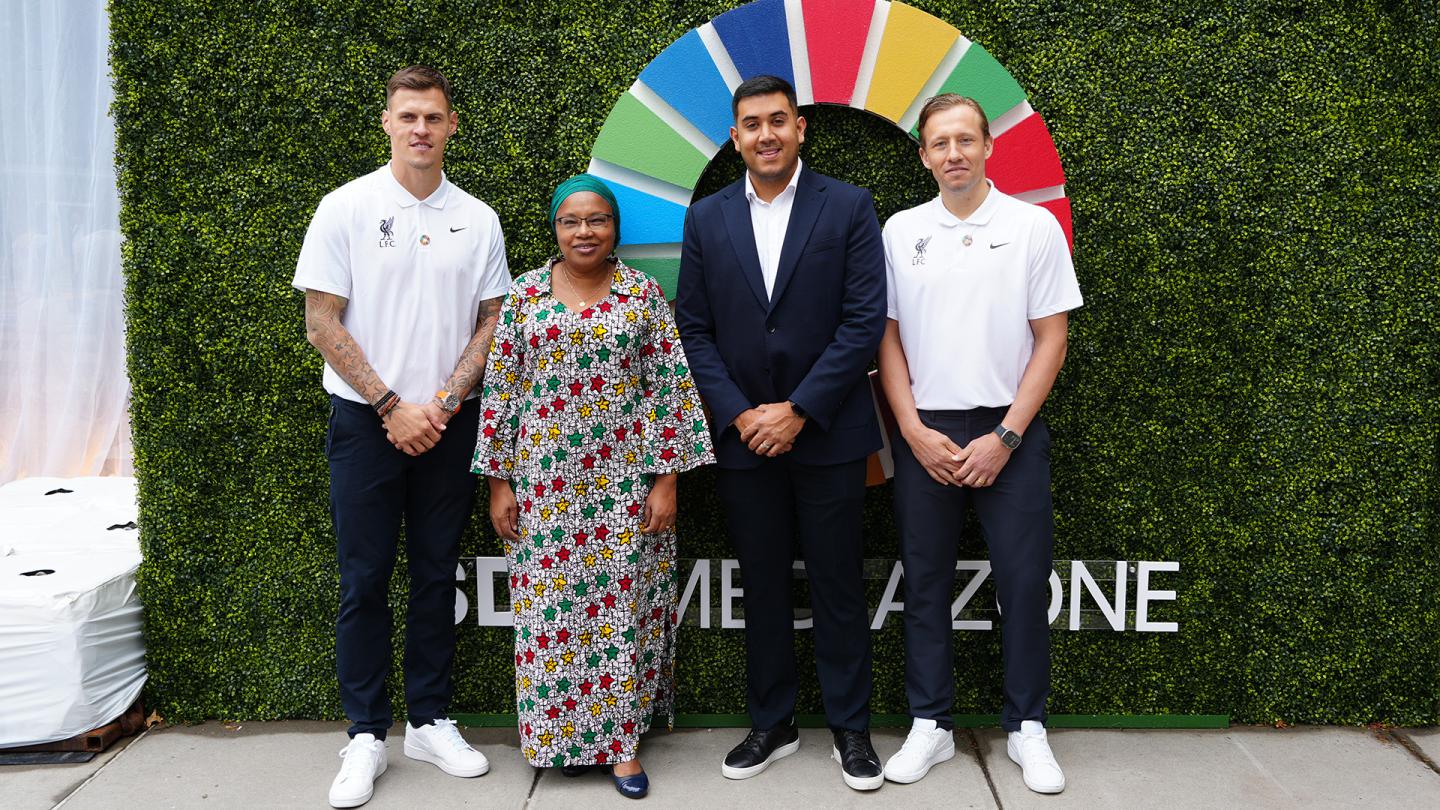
471	367
337	346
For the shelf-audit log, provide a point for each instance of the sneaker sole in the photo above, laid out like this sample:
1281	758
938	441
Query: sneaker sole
858	782
1010	752
754	770
425	756
908	778
356	802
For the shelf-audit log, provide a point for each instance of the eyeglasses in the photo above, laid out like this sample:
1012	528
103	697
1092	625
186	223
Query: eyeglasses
599	222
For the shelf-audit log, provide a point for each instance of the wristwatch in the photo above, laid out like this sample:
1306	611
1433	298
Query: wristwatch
1008	437
449	401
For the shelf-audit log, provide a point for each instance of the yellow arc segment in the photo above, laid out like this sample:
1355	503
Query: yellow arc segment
912	47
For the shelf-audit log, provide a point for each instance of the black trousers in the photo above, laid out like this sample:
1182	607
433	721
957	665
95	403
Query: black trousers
766	509
1018	521
373	486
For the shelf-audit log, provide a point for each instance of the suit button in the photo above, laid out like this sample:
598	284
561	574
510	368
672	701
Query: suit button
772	330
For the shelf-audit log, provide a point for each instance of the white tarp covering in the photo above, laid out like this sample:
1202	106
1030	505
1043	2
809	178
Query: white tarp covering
70	642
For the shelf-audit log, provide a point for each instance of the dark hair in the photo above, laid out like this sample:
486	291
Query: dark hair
762	86
945	101
417	77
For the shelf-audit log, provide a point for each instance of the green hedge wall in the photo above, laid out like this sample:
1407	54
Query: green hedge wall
1252	385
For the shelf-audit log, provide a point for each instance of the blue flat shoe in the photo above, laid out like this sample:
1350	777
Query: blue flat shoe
634	786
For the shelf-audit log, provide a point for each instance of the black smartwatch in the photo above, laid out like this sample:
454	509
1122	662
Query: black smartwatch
1008	437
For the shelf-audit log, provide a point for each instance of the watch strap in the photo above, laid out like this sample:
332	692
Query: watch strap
449	402
1008	437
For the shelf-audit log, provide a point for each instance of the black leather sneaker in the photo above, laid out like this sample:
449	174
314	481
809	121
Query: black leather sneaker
760	748
858	763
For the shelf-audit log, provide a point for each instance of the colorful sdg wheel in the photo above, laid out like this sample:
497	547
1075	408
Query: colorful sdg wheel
875	55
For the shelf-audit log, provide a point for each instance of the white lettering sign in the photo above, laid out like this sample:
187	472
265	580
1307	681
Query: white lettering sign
1098	599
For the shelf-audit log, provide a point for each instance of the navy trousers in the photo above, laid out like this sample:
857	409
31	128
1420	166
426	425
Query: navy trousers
1018	522
373	488
766	509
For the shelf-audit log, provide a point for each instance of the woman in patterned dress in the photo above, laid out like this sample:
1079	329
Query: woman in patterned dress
588	414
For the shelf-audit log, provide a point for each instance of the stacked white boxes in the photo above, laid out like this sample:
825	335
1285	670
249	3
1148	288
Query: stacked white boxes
70	619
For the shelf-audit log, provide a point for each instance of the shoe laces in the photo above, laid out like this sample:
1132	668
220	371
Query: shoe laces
1035	747
919	738
859	742
359	758
445	730
752	741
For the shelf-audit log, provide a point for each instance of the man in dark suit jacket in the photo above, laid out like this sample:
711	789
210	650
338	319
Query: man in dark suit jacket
781	307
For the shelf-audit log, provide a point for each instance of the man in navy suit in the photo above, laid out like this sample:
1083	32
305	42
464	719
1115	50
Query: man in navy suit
781	307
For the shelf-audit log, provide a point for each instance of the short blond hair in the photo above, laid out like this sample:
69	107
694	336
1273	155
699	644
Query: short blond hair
946	101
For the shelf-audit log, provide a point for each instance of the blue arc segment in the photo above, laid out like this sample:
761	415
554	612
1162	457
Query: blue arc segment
646	219
757	40
686	77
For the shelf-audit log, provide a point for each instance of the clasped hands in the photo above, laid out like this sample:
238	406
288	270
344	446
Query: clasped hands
659	507
415	428
975	465
770	429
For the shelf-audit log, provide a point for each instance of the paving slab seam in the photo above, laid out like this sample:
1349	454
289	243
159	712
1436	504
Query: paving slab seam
1409	745
534	783
101	769
1261	769
984	769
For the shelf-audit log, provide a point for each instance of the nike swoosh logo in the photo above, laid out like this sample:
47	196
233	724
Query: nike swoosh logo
457	230
1002	244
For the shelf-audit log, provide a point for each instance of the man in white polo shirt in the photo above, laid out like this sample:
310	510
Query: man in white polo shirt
403	276
980	285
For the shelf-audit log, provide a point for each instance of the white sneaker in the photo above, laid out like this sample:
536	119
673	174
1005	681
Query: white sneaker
441	745
364	762
926	746
1030	749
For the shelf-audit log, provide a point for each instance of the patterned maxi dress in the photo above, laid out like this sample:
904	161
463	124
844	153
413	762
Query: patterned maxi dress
580	410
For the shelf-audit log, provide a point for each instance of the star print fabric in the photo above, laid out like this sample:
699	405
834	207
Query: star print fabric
580	412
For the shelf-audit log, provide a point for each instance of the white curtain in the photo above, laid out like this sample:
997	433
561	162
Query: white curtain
63	388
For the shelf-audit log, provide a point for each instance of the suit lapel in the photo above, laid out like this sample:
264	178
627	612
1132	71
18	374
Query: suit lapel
809	199
742	237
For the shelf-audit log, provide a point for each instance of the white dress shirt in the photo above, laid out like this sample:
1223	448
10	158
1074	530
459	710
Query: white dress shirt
769	221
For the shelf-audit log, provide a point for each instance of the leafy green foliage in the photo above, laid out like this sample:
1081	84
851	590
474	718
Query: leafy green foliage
1251	389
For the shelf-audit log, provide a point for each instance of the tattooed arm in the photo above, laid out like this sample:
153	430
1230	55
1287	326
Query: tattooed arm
471	368
325	332
406	424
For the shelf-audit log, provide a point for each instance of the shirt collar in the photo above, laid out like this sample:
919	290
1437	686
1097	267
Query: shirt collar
789	187
405	199
980	216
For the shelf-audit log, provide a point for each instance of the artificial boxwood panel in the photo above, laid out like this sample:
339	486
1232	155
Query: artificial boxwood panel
1251	389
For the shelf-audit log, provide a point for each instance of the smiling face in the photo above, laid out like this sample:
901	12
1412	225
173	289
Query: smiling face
419	123
768	133
954	147
583	245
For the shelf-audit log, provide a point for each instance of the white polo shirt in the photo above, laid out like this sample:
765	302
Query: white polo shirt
964	292
413	271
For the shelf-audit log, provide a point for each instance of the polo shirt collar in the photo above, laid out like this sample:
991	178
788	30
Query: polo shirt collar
980	216
789	187
405	199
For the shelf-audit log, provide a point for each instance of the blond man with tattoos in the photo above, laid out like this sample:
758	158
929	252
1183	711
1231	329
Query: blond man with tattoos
403	276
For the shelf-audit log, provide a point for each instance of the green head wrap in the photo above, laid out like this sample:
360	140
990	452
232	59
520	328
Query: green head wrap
584	182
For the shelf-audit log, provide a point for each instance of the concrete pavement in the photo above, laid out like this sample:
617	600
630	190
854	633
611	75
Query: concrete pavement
290	764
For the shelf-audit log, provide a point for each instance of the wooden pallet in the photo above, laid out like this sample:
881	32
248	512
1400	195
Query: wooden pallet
132	721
